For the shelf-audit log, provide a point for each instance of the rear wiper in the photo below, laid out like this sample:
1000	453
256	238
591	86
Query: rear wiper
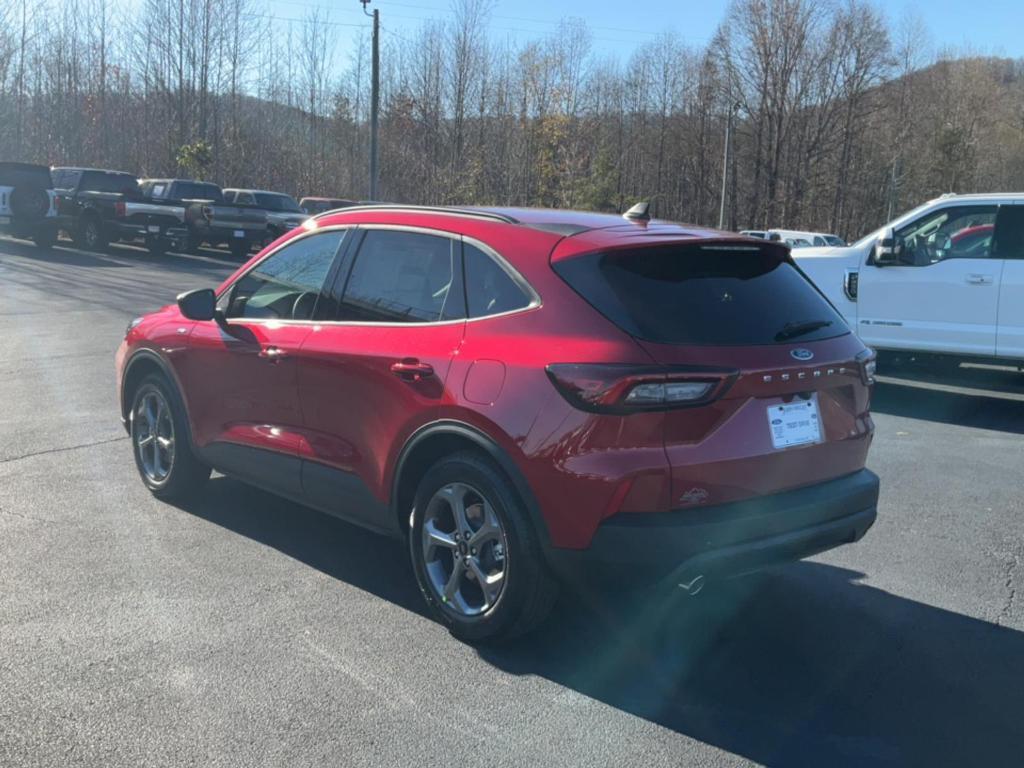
792	330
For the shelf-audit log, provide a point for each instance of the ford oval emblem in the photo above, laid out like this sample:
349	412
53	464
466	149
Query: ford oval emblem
801	354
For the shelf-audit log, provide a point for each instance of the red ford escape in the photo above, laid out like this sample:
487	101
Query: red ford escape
528	396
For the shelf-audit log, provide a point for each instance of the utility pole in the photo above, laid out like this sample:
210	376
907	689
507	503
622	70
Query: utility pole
374	100
725	162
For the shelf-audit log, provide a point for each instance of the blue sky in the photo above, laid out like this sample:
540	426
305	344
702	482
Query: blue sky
985	26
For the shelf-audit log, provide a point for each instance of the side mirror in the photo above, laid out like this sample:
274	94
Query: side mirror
887	249
200	304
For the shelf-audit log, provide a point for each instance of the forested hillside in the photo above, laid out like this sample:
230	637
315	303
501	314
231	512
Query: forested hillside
842	116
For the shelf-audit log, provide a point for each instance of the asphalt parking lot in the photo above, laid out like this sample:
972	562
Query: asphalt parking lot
244	630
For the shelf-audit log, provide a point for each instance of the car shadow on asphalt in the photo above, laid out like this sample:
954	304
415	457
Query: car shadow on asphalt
804	665
976	397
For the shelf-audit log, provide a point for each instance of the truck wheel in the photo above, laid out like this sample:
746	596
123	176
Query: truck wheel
90	235
193	245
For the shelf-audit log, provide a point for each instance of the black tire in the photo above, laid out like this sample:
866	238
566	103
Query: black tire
90	236
193	245
29	204
157	247
186	474
240	249
529	591
45	237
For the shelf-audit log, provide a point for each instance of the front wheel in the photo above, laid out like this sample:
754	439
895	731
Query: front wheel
476	555
161	444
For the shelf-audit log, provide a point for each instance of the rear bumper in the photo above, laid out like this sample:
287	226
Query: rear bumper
127	230
728	539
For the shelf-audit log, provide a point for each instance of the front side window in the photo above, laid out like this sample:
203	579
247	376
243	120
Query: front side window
490	290
961	232
287	284
403	277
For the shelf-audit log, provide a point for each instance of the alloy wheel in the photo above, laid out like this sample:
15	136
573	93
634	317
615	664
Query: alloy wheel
464	550
154	436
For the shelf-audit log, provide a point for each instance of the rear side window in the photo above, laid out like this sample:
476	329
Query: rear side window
404	277
490	290
707	295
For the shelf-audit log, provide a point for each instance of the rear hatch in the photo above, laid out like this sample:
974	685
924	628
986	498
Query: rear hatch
786	402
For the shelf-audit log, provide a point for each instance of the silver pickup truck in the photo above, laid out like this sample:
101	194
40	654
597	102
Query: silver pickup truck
209	218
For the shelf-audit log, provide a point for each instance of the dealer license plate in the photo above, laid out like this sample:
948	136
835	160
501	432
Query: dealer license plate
153	228
795	423
5	219
239	233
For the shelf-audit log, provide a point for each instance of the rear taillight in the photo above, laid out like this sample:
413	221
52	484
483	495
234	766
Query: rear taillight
120	209
868	360
617	388
208	213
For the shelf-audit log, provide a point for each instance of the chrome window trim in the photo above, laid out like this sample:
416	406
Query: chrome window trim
535	300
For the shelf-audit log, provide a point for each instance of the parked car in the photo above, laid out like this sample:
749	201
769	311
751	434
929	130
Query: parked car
27	203
945	279
283	213
208	218
316	205
529	397
97	207
760	234
816	239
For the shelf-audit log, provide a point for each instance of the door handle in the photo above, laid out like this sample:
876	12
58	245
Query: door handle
976	279
273	354
412	369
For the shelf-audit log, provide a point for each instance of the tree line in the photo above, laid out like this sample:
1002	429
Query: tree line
840	116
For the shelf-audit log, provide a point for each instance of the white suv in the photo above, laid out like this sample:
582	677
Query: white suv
28	203
946	278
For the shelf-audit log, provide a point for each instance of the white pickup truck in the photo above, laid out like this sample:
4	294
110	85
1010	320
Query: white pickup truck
946	279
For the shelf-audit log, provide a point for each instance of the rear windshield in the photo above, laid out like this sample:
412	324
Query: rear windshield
714	295
197	190
101	181
274	202
25	175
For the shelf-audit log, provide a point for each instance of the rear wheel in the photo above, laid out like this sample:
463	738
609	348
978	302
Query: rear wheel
161	444
90	234
476	555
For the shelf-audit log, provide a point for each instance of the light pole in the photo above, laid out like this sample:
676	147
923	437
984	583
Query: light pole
374	99
725	161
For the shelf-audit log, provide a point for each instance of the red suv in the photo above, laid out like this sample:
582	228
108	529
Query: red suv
527	396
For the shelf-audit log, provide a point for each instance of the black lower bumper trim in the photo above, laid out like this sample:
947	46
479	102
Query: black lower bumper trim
727	539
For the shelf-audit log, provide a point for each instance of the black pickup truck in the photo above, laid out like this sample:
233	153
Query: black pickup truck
27	203
96	207
208	217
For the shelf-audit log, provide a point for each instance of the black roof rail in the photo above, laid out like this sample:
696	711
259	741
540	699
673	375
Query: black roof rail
449	210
